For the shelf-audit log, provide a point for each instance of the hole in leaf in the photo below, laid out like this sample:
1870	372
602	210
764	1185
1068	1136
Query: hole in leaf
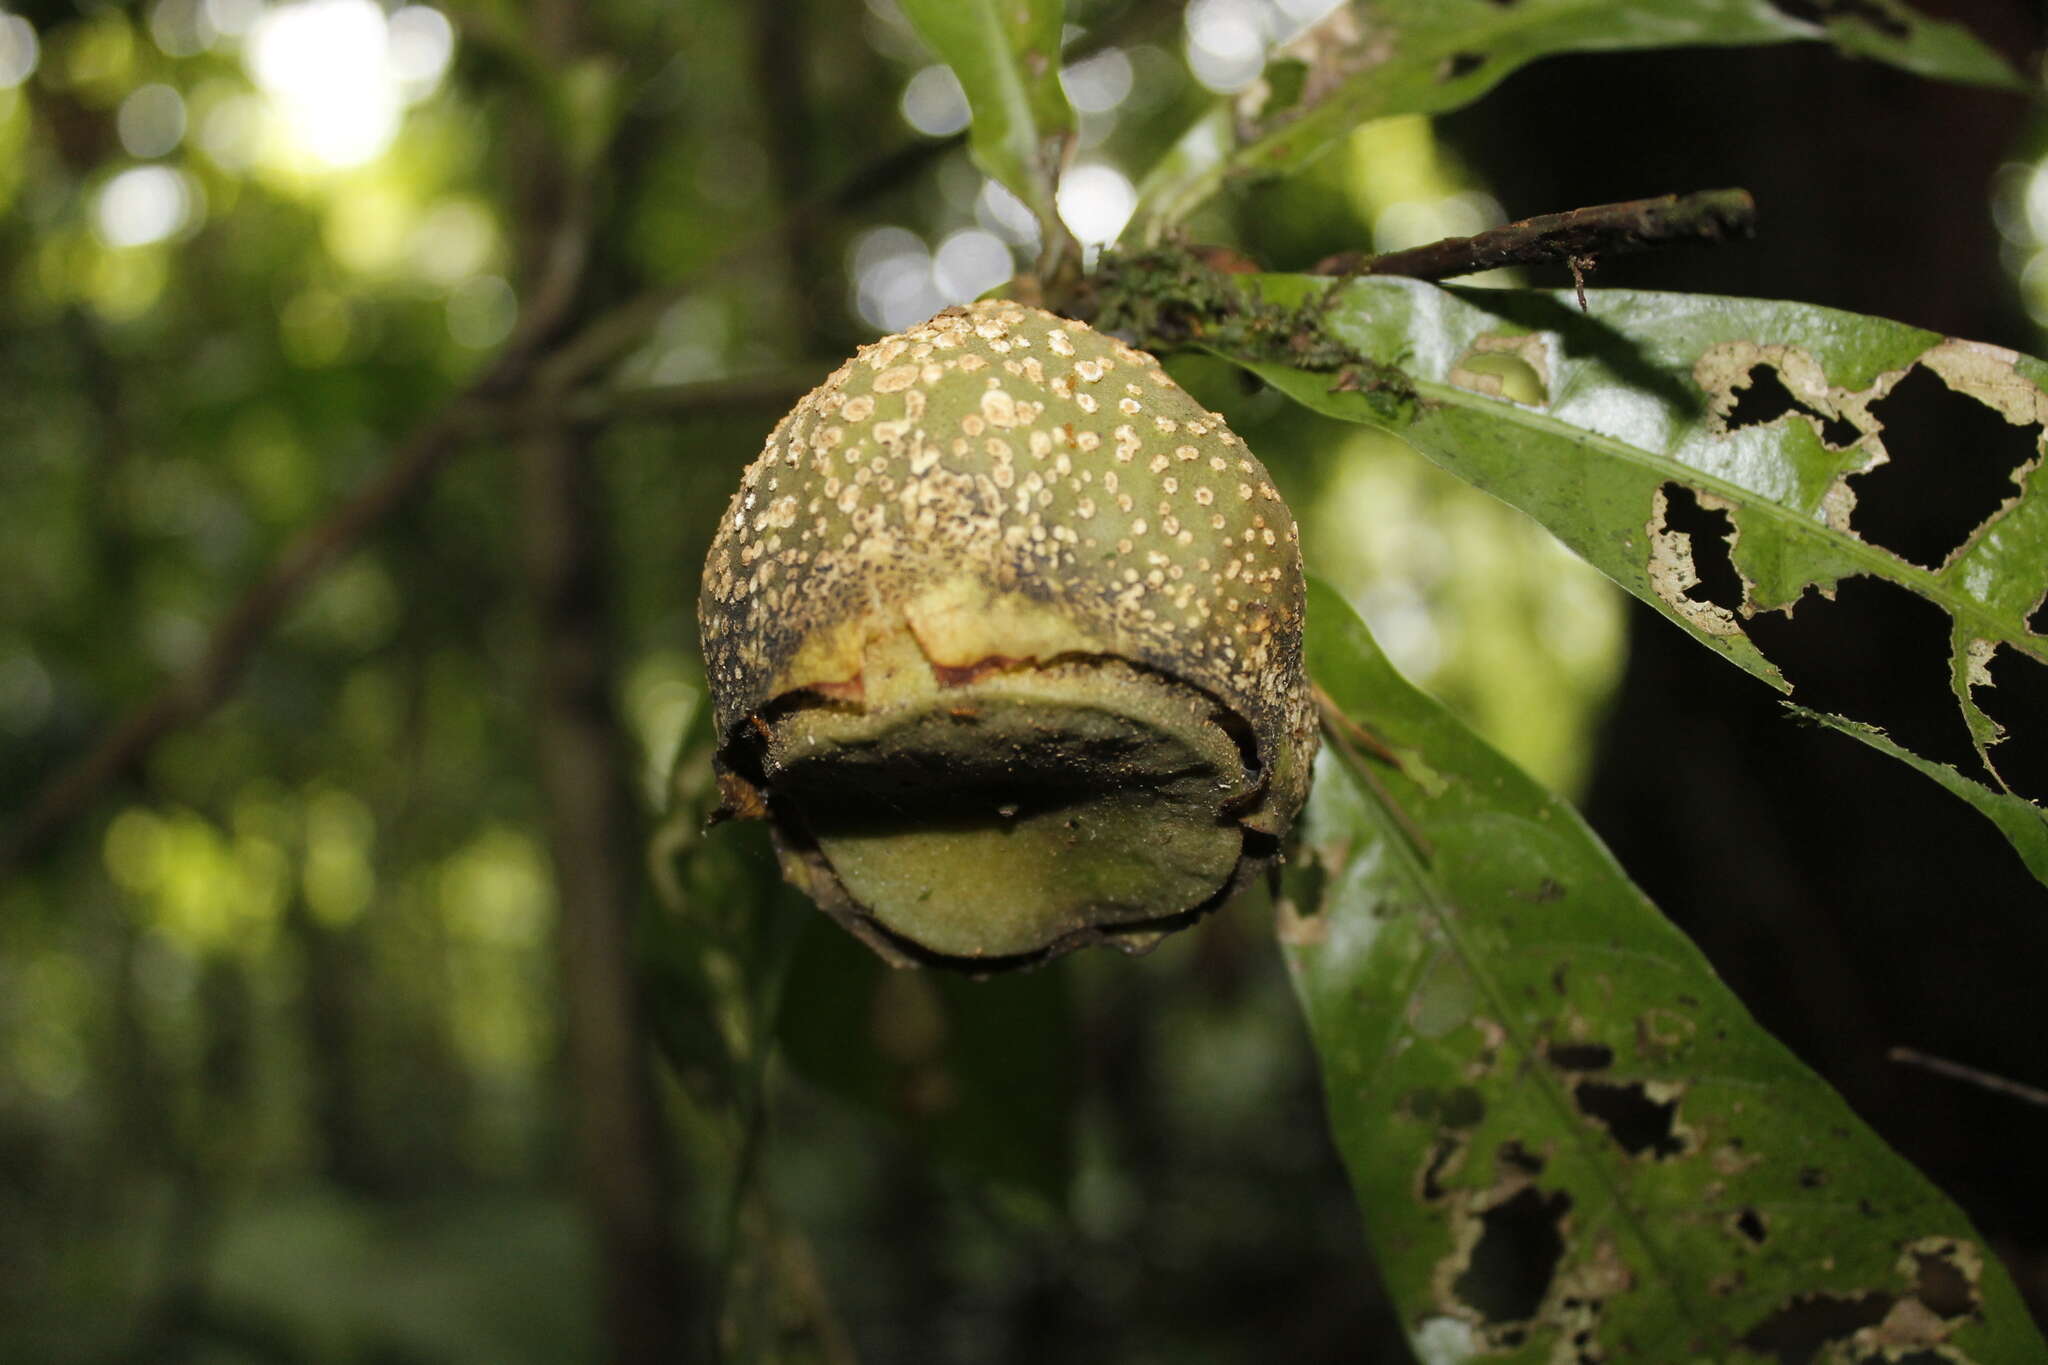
1876	654
1459	1107
1821	11
1941	1285
1795	1334
1517	1253
1951	465
1751	1225
1581	1056
1439	1160
1635	1121
1726	1283
1460	64
2038	620
1712	560
1514	1154
1765	399
2018	700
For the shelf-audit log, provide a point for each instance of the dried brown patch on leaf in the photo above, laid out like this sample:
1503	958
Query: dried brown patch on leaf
1519	1270
1674	575
1938	1293
1517	368
1329	53
1507	1243
1492	1037
1297	930
1990	375
1454	1113
1661	1033
1734	374
1730	1158
1748	384
1582	1294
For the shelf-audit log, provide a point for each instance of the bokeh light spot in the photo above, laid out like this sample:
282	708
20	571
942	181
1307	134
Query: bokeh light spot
19	50
891	271
339	73
420	44
1098	84
451	242
1226	43
143	204
1095	202
151	122
969	263
934	103
481	312
1004	214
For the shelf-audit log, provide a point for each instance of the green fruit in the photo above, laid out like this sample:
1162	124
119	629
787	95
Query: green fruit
1003	633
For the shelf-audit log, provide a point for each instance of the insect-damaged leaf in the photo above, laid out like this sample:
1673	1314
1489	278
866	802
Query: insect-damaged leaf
1372	58
1570	1141
1641	407
1006	54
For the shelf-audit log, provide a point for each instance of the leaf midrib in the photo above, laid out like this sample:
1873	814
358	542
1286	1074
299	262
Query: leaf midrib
1445	913
1433	44
1882	563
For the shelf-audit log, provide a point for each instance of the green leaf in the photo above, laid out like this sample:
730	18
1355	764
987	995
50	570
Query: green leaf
1374	58
1569	1140
1629	405
1006	54
714	956
2019	818
715	949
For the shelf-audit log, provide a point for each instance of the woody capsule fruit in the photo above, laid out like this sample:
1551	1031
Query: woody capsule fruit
1003	632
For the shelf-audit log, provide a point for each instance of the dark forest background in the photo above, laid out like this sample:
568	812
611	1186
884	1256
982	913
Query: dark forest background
369	394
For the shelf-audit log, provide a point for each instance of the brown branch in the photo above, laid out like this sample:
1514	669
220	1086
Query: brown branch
648	1303
611	336
1575	239
241	630
530	363
780	41
694	398
652	1304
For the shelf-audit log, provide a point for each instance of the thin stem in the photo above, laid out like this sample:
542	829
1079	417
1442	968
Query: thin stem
1576	238
531	363
1970	1075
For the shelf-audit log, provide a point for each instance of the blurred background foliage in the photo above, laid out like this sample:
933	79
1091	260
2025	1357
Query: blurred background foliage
283	1071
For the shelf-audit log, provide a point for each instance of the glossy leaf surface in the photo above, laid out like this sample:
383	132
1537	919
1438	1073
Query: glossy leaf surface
1570	1141
1599	424
1373	58
1006	54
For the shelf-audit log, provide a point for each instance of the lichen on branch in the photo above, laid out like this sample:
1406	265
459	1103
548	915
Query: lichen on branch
1181	298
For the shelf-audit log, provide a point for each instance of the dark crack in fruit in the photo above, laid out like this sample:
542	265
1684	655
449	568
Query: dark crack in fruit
1003	633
